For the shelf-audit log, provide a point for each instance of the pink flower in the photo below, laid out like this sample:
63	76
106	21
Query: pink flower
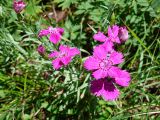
123	34
102	62
104	88
18	5
113	33
41	49
55	34
64	56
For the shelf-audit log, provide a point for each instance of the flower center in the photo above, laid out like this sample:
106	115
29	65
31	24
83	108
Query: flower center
105	64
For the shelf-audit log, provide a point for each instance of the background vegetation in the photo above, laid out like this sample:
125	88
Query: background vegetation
31	89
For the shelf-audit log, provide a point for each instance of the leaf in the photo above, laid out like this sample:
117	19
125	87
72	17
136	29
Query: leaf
3	115
2	94
155	4
33	8
1	10
44	105
26	117
78	12
135	6
16	44
143	2
66	3
85	6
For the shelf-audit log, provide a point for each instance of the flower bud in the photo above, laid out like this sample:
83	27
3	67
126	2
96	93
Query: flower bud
41	49
18	5
123	34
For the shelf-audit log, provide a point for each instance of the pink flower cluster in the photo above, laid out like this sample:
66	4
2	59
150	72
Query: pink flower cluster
18	5
103	63
65	54
116	34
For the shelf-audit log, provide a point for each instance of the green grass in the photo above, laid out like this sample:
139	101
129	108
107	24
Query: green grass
31	89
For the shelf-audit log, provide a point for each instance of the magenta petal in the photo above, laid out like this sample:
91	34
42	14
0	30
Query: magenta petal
109	92
113	33
43	33
116	57
63	48
56	63
96	87
99	37
91	63
113	72
60	30
108	45
98	74
104	88
73	52
123	78
55	37
99	52
66	60
53	54
117	40
110	32
115	30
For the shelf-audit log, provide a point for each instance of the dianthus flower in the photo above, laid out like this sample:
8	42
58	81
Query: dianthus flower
102	62
105	87
55	34
64	56
113	34
123	34
18	5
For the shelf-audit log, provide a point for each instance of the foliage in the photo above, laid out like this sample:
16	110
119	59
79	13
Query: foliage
31	89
